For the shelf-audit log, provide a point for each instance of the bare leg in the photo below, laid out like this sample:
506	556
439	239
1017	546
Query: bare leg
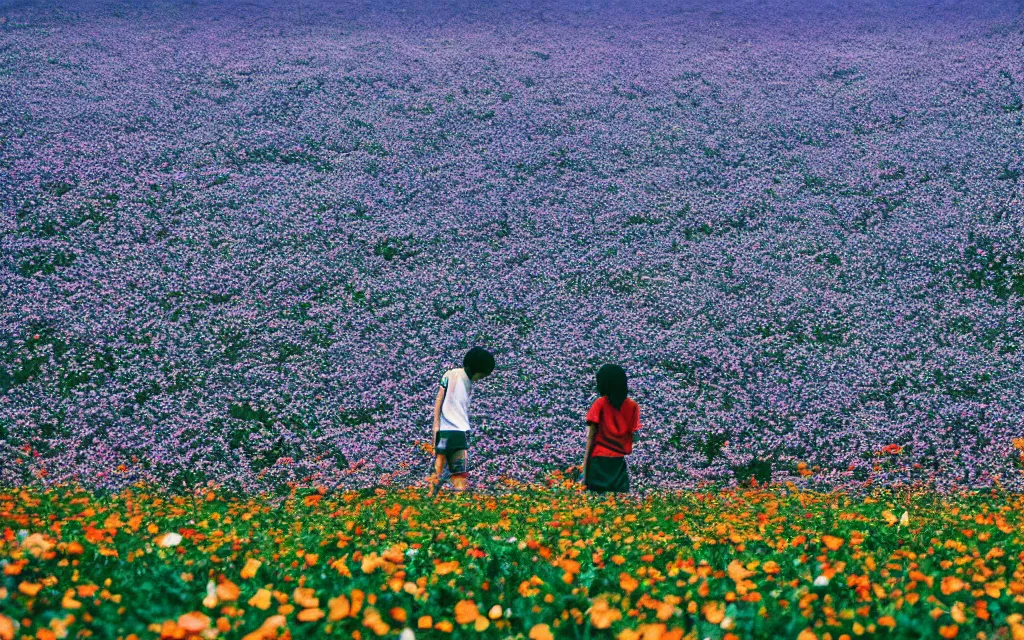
458	469
435	478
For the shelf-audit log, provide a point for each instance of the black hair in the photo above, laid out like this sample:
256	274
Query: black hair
611	382
478	360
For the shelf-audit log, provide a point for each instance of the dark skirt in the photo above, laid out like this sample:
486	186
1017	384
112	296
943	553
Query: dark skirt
607	474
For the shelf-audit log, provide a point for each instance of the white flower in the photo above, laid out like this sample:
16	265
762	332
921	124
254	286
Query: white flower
407	634
821	581
170	540
512	539
411	553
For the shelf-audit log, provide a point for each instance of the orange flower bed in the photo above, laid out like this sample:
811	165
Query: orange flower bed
535	562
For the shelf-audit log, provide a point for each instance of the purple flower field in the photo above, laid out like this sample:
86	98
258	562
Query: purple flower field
242	241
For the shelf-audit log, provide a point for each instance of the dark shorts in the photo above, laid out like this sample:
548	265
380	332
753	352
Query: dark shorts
607	474
447	444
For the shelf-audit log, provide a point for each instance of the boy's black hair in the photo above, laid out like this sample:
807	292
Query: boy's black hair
478	360
611	382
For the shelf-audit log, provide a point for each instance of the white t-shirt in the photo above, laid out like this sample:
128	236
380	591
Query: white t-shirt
455	407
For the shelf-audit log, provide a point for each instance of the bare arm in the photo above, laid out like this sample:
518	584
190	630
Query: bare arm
437	414
591	432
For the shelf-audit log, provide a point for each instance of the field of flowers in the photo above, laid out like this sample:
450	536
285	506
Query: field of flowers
242	241
532	561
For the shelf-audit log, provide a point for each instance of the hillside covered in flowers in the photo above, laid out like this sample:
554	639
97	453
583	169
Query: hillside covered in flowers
241	241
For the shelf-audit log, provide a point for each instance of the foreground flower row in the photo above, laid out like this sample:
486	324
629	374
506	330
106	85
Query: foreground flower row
534	562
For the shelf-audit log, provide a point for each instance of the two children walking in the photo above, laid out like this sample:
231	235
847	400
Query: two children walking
612	422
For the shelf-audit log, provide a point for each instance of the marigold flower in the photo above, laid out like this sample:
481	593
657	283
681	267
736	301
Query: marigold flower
261	600
466	612
194	622
6	628
338	608
714	612
832	542
250	568
541	632
228	591
310	615
304	597
602	615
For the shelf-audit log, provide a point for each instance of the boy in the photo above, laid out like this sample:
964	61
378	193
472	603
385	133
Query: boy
451	417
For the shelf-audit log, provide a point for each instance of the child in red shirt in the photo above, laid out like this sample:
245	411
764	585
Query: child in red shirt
612	420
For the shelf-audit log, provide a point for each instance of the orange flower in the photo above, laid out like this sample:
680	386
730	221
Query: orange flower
372	621
738	572
628	583
425	622
261	600
228	591
887	621
310	615
304	598
268	630
541	632
602	616
249	570
714	612
444	626
339	608
957	613
832	542
30	589
949	631
357	597
807	634
69	602
444	568
952	584
194	623
466	612
6	628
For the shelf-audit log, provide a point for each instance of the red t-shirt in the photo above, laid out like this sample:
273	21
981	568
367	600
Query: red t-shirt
615	427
